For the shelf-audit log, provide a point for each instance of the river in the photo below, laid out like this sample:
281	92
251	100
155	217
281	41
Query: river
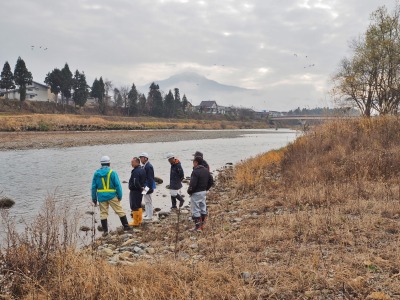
29	176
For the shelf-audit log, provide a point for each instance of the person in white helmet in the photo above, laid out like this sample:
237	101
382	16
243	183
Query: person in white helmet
107	191
175	180
150	183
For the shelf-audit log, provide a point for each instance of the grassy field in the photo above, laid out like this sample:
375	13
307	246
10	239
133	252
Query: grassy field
318	219
56	122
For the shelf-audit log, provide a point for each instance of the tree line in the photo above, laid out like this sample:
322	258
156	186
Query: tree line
74	87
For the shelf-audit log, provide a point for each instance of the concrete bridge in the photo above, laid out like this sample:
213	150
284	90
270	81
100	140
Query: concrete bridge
303	120
306	117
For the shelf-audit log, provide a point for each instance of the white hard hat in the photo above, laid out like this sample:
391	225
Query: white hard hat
105	159
170	155
144	154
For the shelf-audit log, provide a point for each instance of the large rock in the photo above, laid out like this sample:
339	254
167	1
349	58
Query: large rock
107	252
150	250
6	202
158	180
128	242
84	228
125	255
163	214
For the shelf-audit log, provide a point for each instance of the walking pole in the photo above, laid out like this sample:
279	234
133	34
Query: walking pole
177	232
93	225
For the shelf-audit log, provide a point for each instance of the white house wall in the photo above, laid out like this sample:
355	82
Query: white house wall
34	92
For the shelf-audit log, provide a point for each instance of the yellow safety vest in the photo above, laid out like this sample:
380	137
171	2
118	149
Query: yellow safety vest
106	188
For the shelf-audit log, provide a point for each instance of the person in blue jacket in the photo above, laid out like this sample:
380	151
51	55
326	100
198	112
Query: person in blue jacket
150	183
107	191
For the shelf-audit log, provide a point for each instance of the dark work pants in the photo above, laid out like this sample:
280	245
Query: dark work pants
135	200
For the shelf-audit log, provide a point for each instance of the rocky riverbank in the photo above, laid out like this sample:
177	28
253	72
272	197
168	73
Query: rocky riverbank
168	235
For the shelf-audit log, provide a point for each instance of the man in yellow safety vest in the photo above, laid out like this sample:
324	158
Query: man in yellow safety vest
107	191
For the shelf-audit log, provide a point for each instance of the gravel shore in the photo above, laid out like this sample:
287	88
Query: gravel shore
57	139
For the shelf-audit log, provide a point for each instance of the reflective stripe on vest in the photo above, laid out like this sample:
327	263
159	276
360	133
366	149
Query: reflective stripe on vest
106	188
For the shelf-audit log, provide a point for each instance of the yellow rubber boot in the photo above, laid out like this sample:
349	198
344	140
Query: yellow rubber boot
133	217
136	218
140	211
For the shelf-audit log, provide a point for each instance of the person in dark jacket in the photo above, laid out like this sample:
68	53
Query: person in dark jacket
150	184
197	190
175	180
204	163
136	187
107	191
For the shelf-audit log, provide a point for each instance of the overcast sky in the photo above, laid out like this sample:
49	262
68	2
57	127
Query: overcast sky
288	49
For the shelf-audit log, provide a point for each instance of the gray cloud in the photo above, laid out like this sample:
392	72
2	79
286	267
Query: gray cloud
286	49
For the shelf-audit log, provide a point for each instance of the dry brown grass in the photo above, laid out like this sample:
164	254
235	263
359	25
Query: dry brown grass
51	122
331	212
317	220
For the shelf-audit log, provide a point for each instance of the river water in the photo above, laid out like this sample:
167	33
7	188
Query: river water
29	176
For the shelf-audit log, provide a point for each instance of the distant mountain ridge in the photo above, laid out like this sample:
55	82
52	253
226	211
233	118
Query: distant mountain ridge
198	88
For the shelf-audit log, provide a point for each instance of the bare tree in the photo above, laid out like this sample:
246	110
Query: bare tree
124	92
370	80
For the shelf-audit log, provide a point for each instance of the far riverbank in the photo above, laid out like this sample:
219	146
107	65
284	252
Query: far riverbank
62	139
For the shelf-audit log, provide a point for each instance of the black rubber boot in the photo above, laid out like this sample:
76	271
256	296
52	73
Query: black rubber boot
197	224
203	220
173	201
124	222
104	224
181	201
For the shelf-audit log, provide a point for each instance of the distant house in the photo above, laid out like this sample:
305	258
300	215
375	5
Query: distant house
34	92
189	106
210	107
91	101
275	113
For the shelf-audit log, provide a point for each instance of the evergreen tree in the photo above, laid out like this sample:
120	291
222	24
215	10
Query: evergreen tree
54	80
94	91
132	100
142	104
169	105
178	103
22	78
80	88
155	101
98	93
66	83
7	78
185	103
102	98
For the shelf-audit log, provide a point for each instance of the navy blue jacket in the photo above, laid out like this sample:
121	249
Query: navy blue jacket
148	168
138	179
176	175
